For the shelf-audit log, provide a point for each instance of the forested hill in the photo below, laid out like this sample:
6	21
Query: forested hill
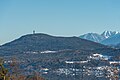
42	42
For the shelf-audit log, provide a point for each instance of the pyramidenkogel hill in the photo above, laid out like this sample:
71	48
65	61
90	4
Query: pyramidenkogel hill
43	42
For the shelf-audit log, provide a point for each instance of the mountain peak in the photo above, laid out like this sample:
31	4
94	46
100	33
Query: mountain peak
36	34
114	40
108	34
99	37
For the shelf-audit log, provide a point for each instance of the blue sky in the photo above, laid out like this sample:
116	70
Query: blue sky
57	17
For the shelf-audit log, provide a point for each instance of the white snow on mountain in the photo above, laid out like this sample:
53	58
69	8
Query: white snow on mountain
114	40
107	37
92	37
108	34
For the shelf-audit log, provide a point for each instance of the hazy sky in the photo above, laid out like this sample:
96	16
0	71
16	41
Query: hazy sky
57	17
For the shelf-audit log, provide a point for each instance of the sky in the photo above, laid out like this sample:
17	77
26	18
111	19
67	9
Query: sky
57	17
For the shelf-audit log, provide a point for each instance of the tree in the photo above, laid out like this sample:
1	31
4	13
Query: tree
3	71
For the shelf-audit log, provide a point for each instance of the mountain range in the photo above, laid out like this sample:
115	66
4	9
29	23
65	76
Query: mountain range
40	50
106	38
44	43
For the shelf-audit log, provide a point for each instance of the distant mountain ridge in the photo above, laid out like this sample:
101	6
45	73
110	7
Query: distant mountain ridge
93	37
106	38
43	42
114	40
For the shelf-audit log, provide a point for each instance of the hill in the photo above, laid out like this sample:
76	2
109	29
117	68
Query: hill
44	42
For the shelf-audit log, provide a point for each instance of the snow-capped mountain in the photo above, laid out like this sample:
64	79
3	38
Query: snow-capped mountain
113	40
102	38
93	37
108	34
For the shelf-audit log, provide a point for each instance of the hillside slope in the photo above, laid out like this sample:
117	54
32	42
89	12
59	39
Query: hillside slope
43	42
